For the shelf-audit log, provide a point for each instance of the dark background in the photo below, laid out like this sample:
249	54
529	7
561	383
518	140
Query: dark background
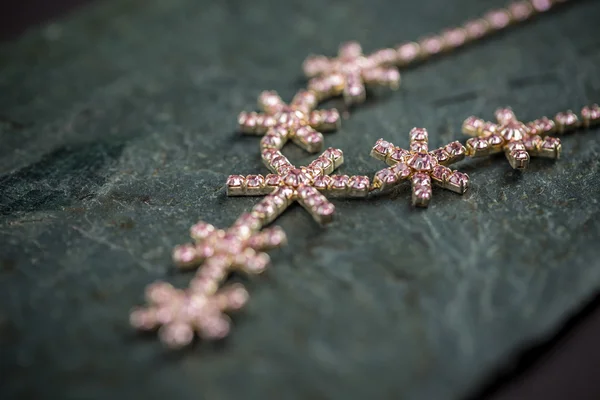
56	92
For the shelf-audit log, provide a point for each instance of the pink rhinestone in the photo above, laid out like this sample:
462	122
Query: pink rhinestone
550	142
384	57
277	237
248	220
331	117
254	181
268	154
322	163
432	45
201	230
472	125
258	263
532	142
340	181
350	50
455	149
422	162
515	146
306	191
441	173
455	37
295	178
271	140
314	200
272	180
504	115
459	179
142	319
422	193
269	99
541	5
279	161
284	192
265	207
235	181
184	254
591	112
204	250
421	179
418	134
546	125
386	176
566	119
382	147
214	328
418	147
520	155
398	154
513	130
246	119
498	19
229	244
520	10
160	292
407	52
176	335
489	128
478	144
314	65
237	296
314	137
326	209
322	182
333	154
477	28
495	140
401	170
359	182
441	155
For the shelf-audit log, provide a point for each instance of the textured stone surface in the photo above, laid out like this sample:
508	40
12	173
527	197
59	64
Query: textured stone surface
118	130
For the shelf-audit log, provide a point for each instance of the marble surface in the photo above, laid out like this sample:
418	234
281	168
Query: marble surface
118	128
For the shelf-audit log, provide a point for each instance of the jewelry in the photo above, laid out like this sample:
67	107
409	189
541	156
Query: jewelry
298	121
304	185
349	72
519	141
201	308
420	167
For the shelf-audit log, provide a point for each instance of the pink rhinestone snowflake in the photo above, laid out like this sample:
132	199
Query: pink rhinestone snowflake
519	141
298	121
288	184
220	251
350	71
420	166
182	313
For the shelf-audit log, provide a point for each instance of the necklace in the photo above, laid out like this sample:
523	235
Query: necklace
350	72
201	309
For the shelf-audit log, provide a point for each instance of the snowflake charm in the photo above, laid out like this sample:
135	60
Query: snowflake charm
220	251
288	184
420	167
350	72
519	141
181	313
298	121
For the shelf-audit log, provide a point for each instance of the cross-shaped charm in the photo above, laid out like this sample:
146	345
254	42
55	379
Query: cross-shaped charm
288	184
181	313
420	167
220	251
350	71
519	141
298	121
